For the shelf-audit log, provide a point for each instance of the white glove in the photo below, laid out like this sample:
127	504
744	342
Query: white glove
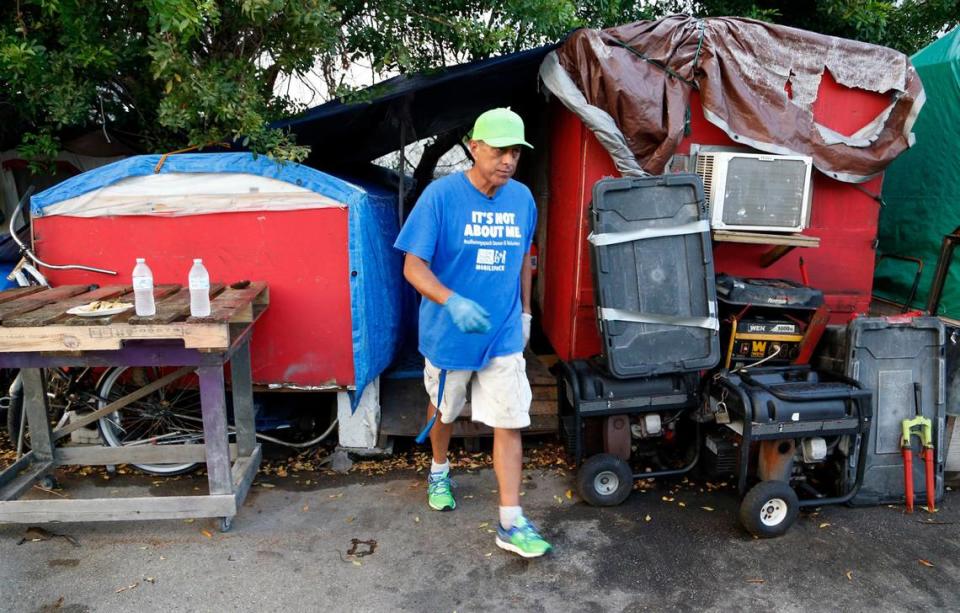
525	319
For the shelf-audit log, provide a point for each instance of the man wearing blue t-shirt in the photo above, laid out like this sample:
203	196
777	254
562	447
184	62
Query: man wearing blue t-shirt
466	243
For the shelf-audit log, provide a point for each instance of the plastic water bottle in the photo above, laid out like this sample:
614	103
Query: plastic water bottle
199	290
143	289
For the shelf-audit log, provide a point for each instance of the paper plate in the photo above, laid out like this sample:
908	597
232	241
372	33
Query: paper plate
86	310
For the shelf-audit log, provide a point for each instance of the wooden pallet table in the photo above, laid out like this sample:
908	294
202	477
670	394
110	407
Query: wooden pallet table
36	332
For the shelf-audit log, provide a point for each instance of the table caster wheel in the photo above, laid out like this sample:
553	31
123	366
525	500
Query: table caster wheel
49	483
225	524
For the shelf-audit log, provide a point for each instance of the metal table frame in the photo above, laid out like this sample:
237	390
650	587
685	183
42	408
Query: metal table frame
228	484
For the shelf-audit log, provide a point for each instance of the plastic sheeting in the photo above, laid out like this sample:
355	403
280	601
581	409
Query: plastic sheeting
757	82
920	187
244	163
181	193
376	288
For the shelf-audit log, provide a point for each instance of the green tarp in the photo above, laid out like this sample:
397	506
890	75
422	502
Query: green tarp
921	188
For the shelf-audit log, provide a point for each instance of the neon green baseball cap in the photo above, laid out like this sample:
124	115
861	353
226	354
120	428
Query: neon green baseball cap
499	128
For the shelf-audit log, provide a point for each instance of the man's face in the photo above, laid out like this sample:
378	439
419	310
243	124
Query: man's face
494	164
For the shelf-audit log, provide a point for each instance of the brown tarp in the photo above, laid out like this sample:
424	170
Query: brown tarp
642	74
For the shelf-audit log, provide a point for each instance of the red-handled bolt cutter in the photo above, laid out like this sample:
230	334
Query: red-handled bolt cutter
923	428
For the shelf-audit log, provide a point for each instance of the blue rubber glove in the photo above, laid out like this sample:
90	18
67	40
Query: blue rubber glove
467	315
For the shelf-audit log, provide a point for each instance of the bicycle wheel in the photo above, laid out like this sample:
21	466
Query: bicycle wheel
170	415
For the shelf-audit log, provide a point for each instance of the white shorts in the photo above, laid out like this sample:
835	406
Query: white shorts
500	392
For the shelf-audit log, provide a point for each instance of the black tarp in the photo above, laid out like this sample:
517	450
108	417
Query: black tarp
417	106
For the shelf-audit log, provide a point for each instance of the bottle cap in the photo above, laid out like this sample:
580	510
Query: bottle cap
141	260
197	261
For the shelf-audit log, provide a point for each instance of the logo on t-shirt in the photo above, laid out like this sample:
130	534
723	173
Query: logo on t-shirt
491	260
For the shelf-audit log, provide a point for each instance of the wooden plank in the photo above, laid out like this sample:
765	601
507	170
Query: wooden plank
133	396
244	413
35	406
537	372
58	310
243	473
774	254
18	292
213	405
78	338
35	300
117	509
764	238
174	307
159	293
94	455
234	305
537	407
9	473
25	480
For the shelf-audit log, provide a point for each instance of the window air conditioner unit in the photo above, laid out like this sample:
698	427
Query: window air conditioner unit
750	191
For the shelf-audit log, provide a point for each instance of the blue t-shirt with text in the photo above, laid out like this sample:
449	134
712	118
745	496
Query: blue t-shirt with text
475	246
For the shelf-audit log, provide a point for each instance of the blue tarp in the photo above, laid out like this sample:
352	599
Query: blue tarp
376	303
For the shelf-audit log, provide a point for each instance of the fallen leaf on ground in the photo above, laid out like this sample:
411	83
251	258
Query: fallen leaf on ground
849	575
707	508
569	494
267	485
357	563
647	518
189	521
681	504
350	519
757	581
927	563
207	533
666	498
306	508
150	579
417	519
825	525
558	499
488	554
124	589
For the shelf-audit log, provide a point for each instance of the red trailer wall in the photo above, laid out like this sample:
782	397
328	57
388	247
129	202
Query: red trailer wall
843	217
303	338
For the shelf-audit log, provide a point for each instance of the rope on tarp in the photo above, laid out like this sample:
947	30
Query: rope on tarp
163	158
701	28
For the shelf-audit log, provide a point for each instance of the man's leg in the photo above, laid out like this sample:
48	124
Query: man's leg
502	400
508	465
439	437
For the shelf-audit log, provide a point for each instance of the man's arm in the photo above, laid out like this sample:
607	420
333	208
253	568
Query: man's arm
417	272
526	283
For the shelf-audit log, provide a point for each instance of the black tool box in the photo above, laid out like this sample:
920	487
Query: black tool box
891	356
653	276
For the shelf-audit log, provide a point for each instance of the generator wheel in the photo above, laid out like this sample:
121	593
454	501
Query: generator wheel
769	509
604	480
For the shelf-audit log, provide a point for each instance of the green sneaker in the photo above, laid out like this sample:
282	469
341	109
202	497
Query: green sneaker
523	539
439	496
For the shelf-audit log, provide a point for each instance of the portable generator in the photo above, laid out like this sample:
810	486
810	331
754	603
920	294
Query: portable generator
765	319
788	435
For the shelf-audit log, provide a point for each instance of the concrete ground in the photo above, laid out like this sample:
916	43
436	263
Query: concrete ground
288	552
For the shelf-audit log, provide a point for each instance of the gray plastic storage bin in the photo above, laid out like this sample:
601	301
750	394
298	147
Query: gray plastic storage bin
653	275
887	357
